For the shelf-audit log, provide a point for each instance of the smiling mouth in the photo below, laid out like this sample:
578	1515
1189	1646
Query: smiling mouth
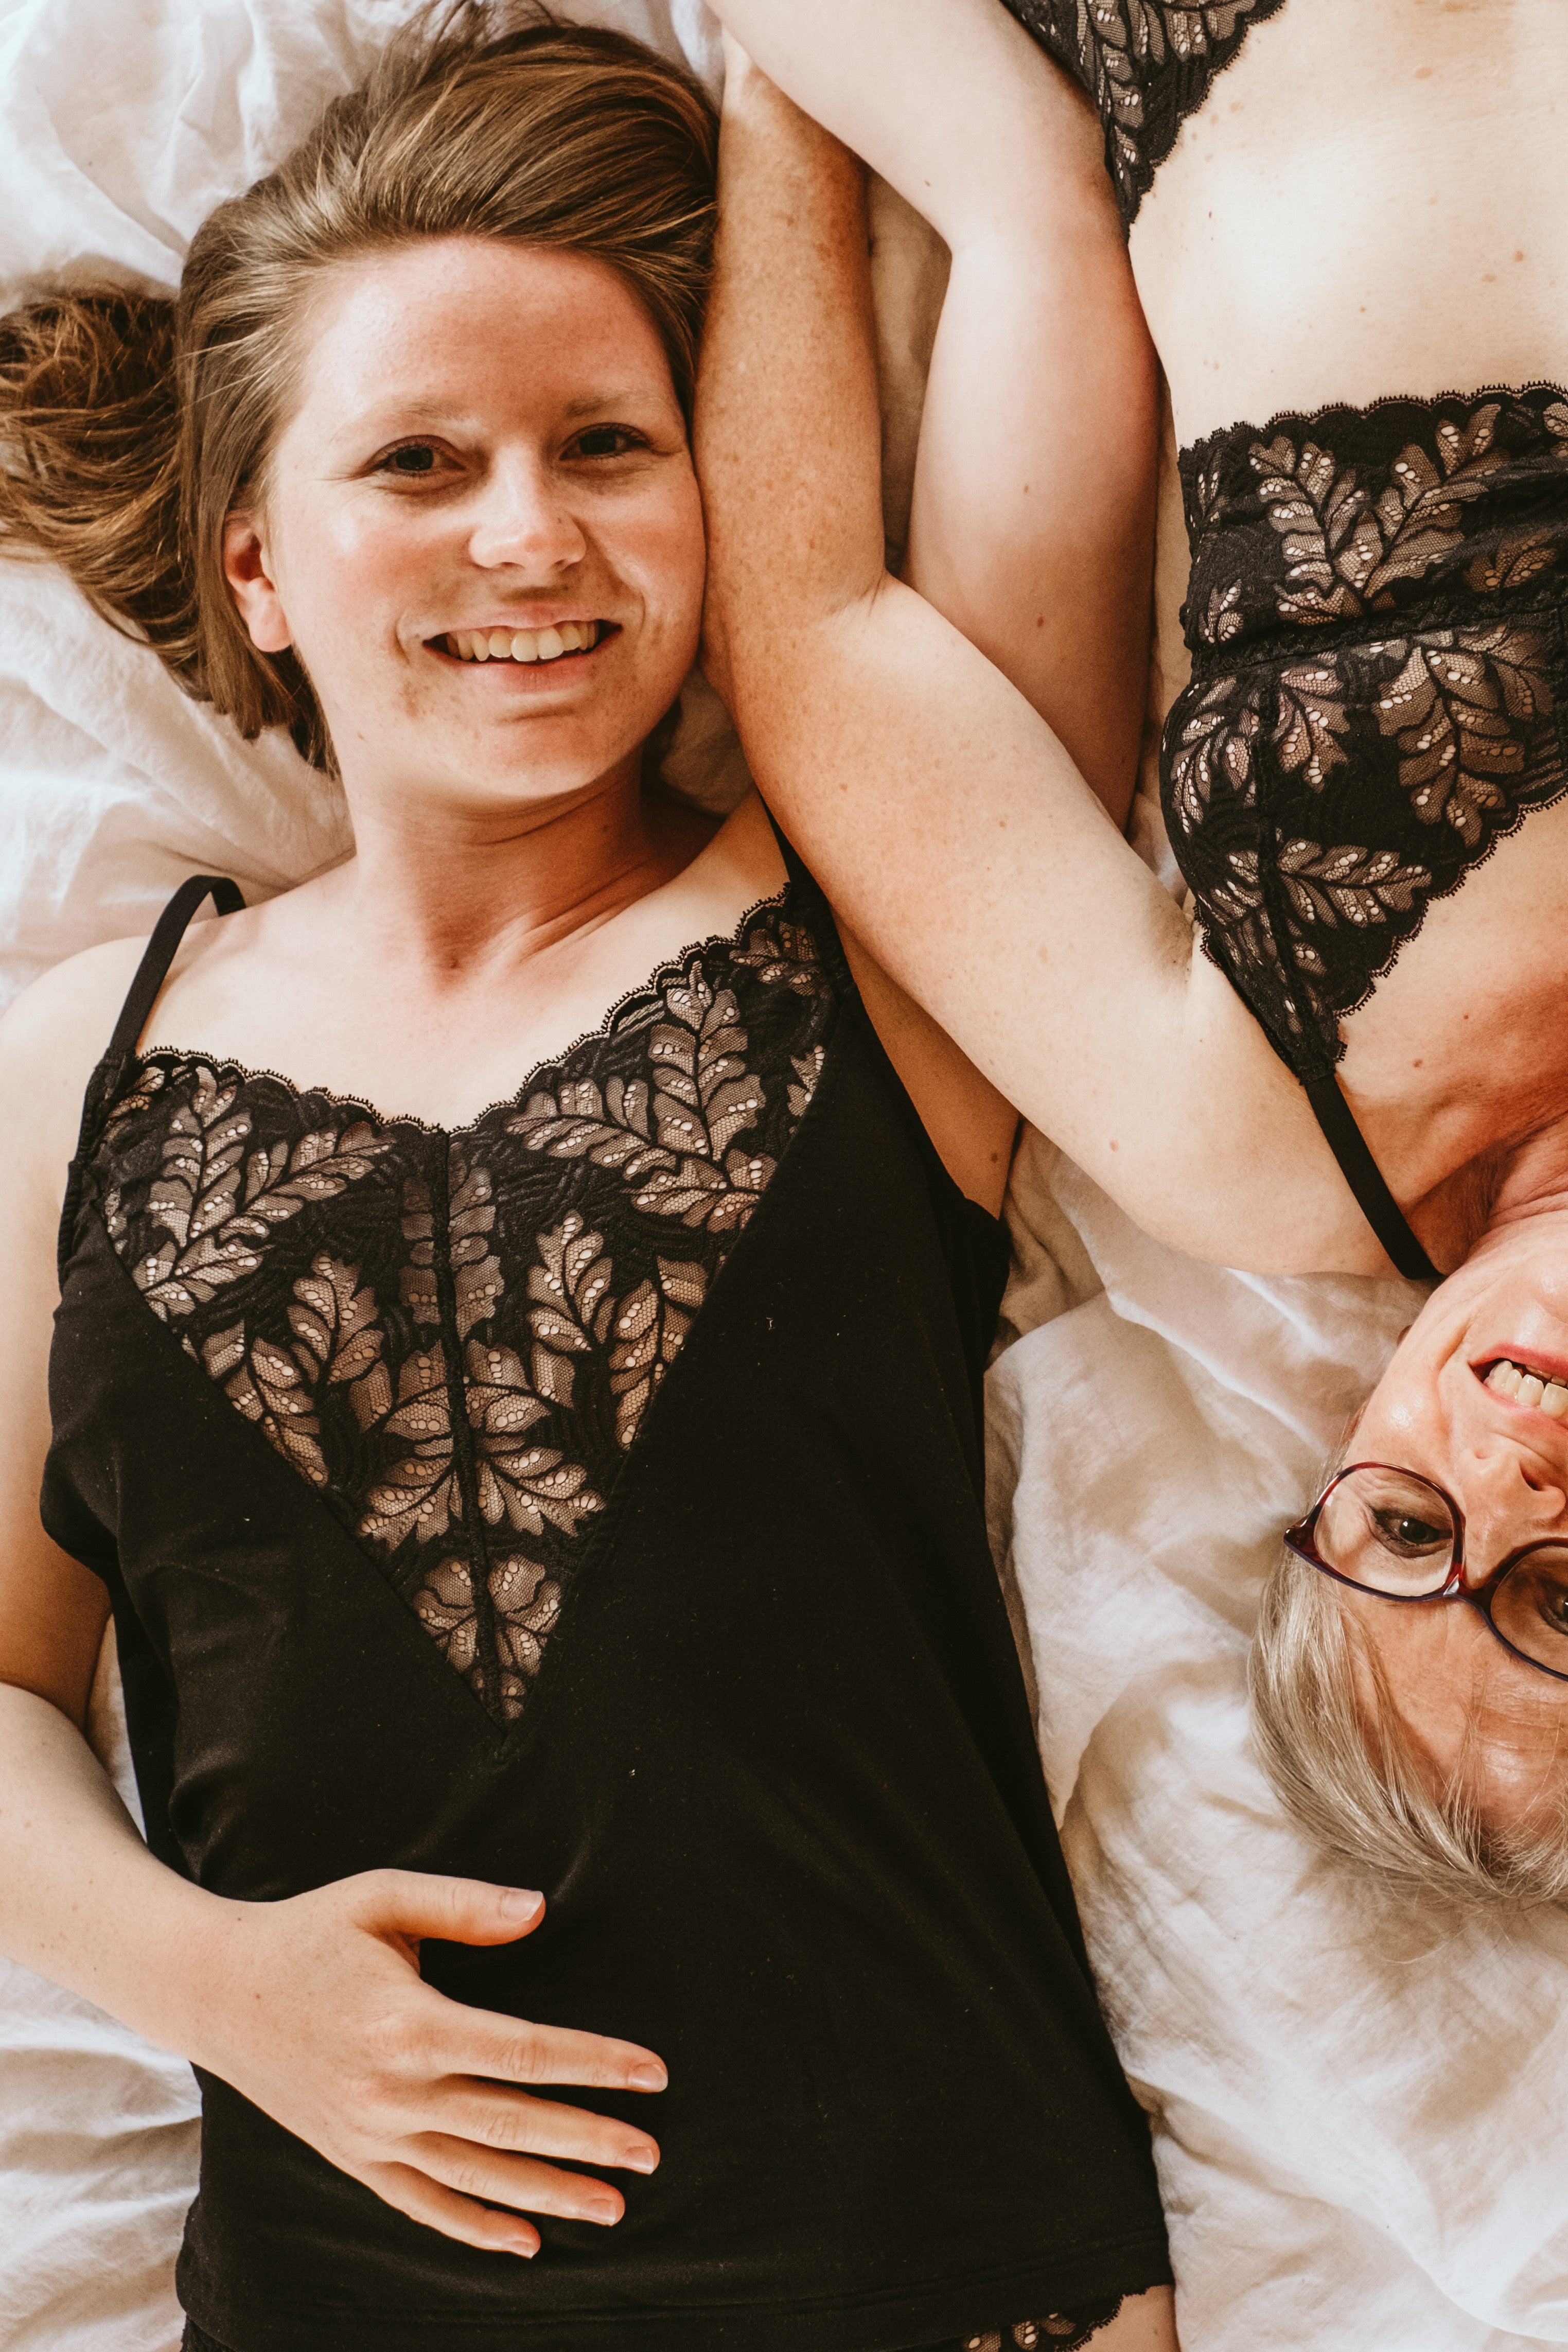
1522	1384
560	643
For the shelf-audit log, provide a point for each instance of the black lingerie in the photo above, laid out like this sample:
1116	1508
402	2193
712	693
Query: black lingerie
1375	615
591	1499
1146	64
1379	684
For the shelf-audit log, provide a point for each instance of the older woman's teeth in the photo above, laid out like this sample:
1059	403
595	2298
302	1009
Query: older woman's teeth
1529	1387
525	644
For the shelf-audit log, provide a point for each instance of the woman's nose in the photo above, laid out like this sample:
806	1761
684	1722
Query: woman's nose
1510	1498
526	523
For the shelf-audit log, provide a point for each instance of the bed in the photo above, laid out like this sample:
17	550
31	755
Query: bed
1356	2113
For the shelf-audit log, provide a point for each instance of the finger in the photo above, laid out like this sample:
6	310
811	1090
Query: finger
515	2050
440	2207
414	1903
516	2180
544	2128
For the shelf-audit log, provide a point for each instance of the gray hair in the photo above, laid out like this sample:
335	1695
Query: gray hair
1347	1770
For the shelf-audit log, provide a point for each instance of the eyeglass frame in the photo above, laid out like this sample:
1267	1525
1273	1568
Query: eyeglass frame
1301	1539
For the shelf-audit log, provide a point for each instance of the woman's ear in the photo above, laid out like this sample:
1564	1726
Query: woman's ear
247	571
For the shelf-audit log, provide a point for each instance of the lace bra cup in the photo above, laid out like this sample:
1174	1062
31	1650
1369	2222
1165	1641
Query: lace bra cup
1147	64
454	1337
1378	686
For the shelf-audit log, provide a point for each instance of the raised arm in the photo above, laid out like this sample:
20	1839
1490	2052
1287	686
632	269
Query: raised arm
942	814
1032	522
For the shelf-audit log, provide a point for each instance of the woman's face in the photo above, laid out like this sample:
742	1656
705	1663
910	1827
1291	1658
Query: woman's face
487	451
1504	1460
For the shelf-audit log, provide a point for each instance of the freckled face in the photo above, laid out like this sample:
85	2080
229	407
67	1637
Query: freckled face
488	453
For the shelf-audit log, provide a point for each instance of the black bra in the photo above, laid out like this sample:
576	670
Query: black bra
1146	64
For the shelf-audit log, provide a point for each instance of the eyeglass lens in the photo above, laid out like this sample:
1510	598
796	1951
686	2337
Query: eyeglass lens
1389	1530
1392	1532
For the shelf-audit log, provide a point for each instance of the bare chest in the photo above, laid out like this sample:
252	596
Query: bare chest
1373	200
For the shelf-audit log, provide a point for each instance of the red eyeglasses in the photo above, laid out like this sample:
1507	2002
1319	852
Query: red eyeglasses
1392	1532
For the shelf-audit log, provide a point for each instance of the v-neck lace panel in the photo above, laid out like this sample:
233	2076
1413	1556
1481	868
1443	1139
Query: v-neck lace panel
454	1336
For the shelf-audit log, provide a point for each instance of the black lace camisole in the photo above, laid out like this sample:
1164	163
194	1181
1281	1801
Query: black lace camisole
1376	619
590	1498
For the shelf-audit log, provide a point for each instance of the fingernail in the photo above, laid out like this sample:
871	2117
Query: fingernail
649	2077
521	1902
643	2160
605	2209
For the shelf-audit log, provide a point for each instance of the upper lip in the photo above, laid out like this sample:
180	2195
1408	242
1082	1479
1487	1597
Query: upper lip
547	617
1540	1360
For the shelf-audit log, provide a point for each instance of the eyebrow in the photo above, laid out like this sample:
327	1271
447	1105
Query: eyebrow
427	412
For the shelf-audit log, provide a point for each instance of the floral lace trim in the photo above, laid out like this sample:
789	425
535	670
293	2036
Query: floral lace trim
1147	64
1058	2333
454	1337
1379	684
642	998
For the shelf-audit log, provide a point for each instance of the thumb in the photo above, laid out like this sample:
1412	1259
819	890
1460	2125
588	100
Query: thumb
416	1904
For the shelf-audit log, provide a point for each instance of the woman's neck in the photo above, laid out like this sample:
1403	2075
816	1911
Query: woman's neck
449	898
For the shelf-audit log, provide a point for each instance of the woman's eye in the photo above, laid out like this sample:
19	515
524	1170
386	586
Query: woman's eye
606	441
414	457
1406	1534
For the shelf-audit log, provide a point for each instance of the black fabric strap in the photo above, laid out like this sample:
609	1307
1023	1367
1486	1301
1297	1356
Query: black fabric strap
153	969
1364	1176
151	974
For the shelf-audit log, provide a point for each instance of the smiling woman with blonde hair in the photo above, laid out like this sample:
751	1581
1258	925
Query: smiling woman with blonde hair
513	1364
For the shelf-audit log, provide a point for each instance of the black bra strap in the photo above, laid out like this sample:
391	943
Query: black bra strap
151	974
830	947
1364	1176
153	969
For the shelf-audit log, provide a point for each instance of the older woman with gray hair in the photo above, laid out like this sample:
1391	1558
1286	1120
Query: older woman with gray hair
1357	1059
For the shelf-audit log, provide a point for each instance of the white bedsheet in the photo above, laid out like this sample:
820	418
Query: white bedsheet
1358	2115
1357	2122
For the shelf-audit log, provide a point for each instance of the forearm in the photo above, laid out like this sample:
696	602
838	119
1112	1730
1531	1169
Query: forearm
82	1900
788	425
1032	522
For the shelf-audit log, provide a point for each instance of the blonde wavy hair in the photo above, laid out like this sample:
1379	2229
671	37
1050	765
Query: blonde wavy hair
1342	1763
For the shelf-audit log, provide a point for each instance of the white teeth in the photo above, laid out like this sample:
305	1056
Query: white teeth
1526	1388
524	645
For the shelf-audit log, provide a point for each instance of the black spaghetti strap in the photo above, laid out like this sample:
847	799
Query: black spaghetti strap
161	949
830	947
151	974
1364	1176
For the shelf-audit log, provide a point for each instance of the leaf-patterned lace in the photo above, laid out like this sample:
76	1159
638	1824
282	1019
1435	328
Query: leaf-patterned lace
1059	2332
1379	683
1146	64
455	1339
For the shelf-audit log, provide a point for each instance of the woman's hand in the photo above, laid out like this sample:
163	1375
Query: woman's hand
319	2015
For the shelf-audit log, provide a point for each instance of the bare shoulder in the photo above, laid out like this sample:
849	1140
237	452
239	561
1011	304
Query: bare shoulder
51	1040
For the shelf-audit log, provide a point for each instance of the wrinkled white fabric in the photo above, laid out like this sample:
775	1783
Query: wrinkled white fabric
1358	2112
